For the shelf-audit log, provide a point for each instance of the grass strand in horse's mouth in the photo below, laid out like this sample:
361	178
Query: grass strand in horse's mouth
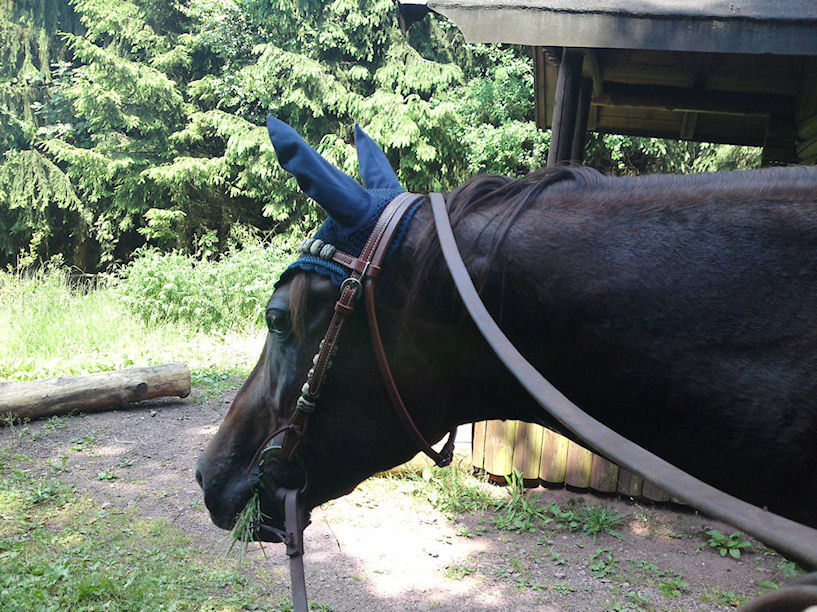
246	525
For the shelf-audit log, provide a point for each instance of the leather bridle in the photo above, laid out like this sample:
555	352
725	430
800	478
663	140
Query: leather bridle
791	538
364	271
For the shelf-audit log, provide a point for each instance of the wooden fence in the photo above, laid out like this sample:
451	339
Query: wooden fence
499	447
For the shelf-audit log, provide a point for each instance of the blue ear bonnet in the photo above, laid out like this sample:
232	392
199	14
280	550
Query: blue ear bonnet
352	210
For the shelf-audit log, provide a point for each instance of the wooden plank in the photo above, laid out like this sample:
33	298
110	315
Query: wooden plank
687	100
688	124
554	457
652	492
648	67
582	118
592	68
499	442
603	475
579	464
527	452
629	484
768	74
478	445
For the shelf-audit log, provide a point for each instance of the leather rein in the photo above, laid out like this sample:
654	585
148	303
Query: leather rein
791	538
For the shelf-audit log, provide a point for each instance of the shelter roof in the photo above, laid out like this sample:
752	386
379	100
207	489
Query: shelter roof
736	26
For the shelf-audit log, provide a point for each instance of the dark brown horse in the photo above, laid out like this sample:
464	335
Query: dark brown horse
679	310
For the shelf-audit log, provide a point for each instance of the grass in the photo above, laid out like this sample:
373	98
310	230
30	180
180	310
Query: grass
59	551
156	310
246	524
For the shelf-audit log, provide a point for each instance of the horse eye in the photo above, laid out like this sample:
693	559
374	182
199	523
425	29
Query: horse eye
277	322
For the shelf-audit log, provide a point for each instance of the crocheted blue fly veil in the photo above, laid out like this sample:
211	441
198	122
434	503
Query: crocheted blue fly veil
352	210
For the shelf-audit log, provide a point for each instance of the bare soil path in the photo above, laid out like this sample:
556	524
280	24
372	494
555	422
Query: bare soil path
386	546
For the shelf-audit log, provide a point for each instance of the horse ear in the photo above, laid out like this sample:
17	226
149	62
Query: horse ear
375	169
339	195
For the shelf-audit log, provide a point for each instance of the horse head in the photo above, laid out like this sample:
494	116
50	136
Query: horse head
353	432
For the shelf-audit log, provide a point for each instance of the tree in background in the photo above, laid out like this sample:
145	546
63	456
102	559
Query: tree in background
128	122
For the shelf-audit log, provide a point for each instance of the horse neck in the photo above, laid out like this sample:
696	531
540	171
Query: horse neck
460	373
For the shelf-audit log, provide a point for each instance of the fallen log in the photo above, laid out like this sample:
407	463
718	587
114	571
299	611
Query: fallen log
92	392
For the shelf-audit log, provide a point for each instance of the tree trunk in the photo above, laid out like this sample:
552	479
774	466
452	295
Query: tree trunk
92	392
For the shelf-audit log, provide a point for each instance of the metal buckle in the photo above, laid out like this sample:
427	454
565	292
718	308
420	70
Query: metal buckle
352	281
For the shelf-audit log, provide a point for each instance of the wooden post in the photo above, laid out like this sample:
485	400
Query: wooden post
654	493
603	475
478	445
629	484
554	457
528	449
565	106
499	439
579	464
92	392
582	117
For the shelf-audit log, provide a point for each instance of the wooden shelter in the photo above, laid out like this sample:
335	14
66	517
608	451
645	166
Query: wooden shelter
735	72
738	72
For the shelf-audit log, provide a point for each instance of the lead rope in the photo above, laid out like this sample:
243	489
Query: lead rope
294	539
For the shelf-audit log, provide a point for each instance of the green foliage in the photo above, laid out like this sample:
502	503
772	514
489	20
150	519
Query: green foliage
616	154
453	490
137	122
602	563
790	569
669	582
731	544
226	293
590	520
246	525
598	519
61	552
519	512
56	324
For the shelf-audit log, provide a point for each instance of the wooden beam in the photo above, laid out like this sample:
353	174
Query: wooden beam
679	99
688	124
807	102
540	88
593	69
565	107
582	116
592	66
780	145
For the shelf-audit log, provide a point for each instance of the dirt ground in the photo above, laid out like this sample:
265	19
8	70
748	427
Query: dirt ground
386	547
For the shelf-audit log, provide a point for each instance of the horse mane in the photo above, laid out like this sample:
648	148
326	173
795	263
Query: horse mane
483	193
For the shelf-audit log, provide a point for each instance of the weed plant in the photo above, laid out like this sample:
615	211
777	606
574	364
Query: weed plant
452	490
731	544
519	512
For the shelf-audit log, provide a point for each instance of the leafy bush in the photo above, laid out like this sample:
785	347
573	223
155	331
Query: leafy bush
226	293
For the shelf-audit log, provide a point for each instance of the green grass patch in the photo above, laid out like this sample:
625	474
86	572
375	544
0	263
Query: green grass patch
58	551
159	308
